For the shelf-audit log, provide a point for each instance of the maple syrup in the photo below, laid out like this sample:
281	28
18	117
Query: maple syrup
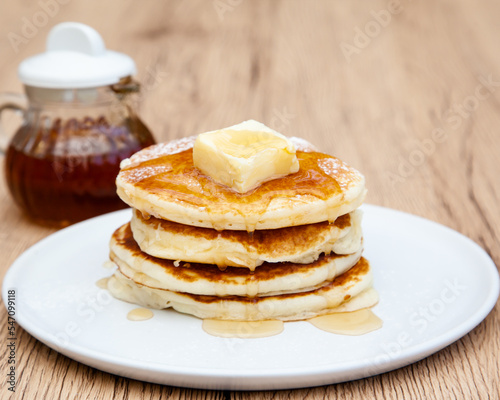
140	314
102	283
79	122
242	329
191	185
174	176
352	323
67	173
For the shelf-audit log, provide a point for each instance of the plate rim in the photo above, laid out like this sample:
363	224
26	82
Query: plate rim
222	377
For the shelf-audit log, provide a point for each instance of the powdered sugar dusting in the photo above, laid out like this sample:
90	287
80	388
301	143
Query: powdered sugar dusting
139	174
340	171
302	144
182	144
159	150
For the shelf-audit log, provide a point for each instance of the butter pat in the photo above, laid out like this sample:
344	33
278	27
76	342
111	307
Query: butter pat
244	156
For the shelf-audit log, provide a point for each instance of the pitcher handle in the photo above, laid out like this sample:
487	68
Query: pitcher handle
10	101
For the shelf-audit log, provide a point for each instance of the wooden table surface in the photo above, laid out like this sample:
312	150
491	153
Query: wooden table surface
407	92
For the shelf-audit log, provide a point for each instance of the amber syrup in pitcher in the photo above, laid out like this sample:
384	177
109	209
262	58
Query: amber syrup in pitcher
66	173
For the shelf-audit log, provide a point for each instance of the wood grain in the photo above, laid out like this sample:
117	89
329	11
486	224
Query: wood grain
281	62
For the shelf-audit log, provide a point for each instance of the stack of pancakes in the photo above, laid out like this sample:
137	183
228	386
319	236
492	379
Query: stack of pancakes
289	249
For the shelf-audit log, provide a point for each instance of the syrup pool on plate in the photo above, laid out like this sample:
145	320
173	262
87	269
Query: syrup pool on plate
352	323
242	329
140	314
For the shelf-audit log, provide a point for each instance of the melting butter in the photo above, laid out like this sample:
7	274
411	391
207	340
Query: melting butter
244	156
242	329
139	314
348	323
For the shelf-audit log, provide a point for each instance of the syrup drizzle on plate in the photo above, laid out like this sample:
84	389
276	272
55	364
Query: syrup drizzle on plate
348	323
102	283
242	329
352	323
139	314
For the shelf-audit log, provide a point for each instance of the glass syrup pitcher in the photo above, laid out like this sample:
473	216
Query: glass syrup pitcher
80	122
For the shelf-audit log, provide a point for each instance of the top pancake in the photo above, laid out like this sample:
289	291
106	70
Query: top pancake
161	180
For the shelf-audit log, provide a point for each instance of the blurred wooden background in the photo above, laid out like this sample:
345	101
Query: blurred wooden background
405	91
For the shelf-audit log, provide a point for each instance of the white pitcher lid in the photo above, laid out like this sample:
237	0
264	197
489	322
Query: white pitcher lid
76	57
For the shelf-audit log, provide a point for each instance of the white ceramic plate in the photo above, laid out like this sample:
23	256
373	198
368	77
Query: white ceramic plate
435	286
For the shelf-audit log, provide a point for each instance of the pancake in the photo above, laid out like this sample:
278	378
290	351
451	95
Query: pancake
333	296
162	181
299	244
206	279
